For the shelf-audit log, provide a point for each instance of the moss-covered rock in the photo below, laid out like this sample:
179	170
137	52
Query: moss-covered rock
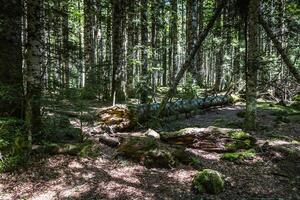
208	181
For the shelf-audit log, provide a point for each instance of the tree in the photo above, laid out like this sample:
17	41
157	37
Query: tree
89	43
252	65
144	43
118	50
32	77
11	90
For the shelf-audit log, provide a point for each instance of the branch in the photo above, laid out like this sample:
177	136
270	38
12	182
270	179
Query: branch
186	65
280	49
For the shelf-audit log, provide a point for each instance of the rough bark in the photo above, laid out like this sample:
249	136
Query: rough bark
89	42
187	63
191	34
65	35
118	50
144	43
33	69
10	59
252	65
293	70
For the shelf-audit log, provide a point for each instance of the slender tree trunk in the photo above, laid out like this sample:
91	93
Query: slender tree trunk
33	69
252	65
174	37
199	61
118	50
11	59
89	43
65	35
144	42
191	34
220	53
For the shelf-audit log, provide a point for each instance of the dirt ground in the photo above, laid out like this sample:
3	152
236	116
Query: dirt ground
272	174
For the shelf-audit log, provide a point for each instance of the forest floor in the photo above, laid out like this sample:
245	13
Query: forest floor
273	174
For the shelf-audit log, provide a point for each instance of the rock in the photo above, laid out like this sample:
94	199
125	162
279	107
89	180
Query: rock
152	133
208	181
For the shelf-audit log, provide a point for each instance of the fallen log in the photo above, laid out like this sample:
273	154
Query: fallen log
123	117
211	139
172	148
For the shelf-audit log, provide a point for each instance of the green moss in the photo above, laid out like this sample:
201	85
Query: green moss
278	109
239	155
240	135
208	181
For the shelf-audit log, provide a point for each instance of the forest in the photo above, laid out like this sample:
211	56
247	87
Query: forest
149	99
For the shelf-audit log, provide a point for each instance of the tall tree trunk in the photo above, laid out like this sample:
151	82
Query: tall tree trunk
174	37
33	69
252	65
191	34
89	43
10	59
220	53
65	35
131	28
118	50
200	56
144	42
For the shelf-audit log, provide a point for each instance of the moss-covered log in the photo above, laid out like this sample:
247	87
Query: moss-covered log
210	139
123	117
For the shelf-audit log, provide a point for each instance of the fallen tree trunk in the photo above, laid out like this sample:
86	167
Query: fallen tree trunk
212	139
171	149
122	117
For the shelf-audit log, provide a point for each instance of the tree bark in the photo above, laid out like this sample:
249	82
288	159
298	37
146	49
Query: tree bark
252	65
33	69
144	42
187	63
118	50
89	43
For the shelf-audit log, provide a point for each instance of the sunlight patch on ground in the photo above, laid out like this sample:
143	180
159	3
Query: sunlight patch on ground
74	191
45	195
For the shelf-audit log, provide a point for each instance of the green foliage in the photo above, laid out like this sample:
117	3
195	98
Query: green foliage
57	128
248	154
188	89
13	145
208	181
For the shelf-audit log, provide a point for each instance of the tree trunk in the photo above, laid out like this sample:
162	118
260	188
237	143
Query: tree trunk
144	42
11	59
220	52
33	69
252	65
65	35
89	43
187	63
191	35
118	50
